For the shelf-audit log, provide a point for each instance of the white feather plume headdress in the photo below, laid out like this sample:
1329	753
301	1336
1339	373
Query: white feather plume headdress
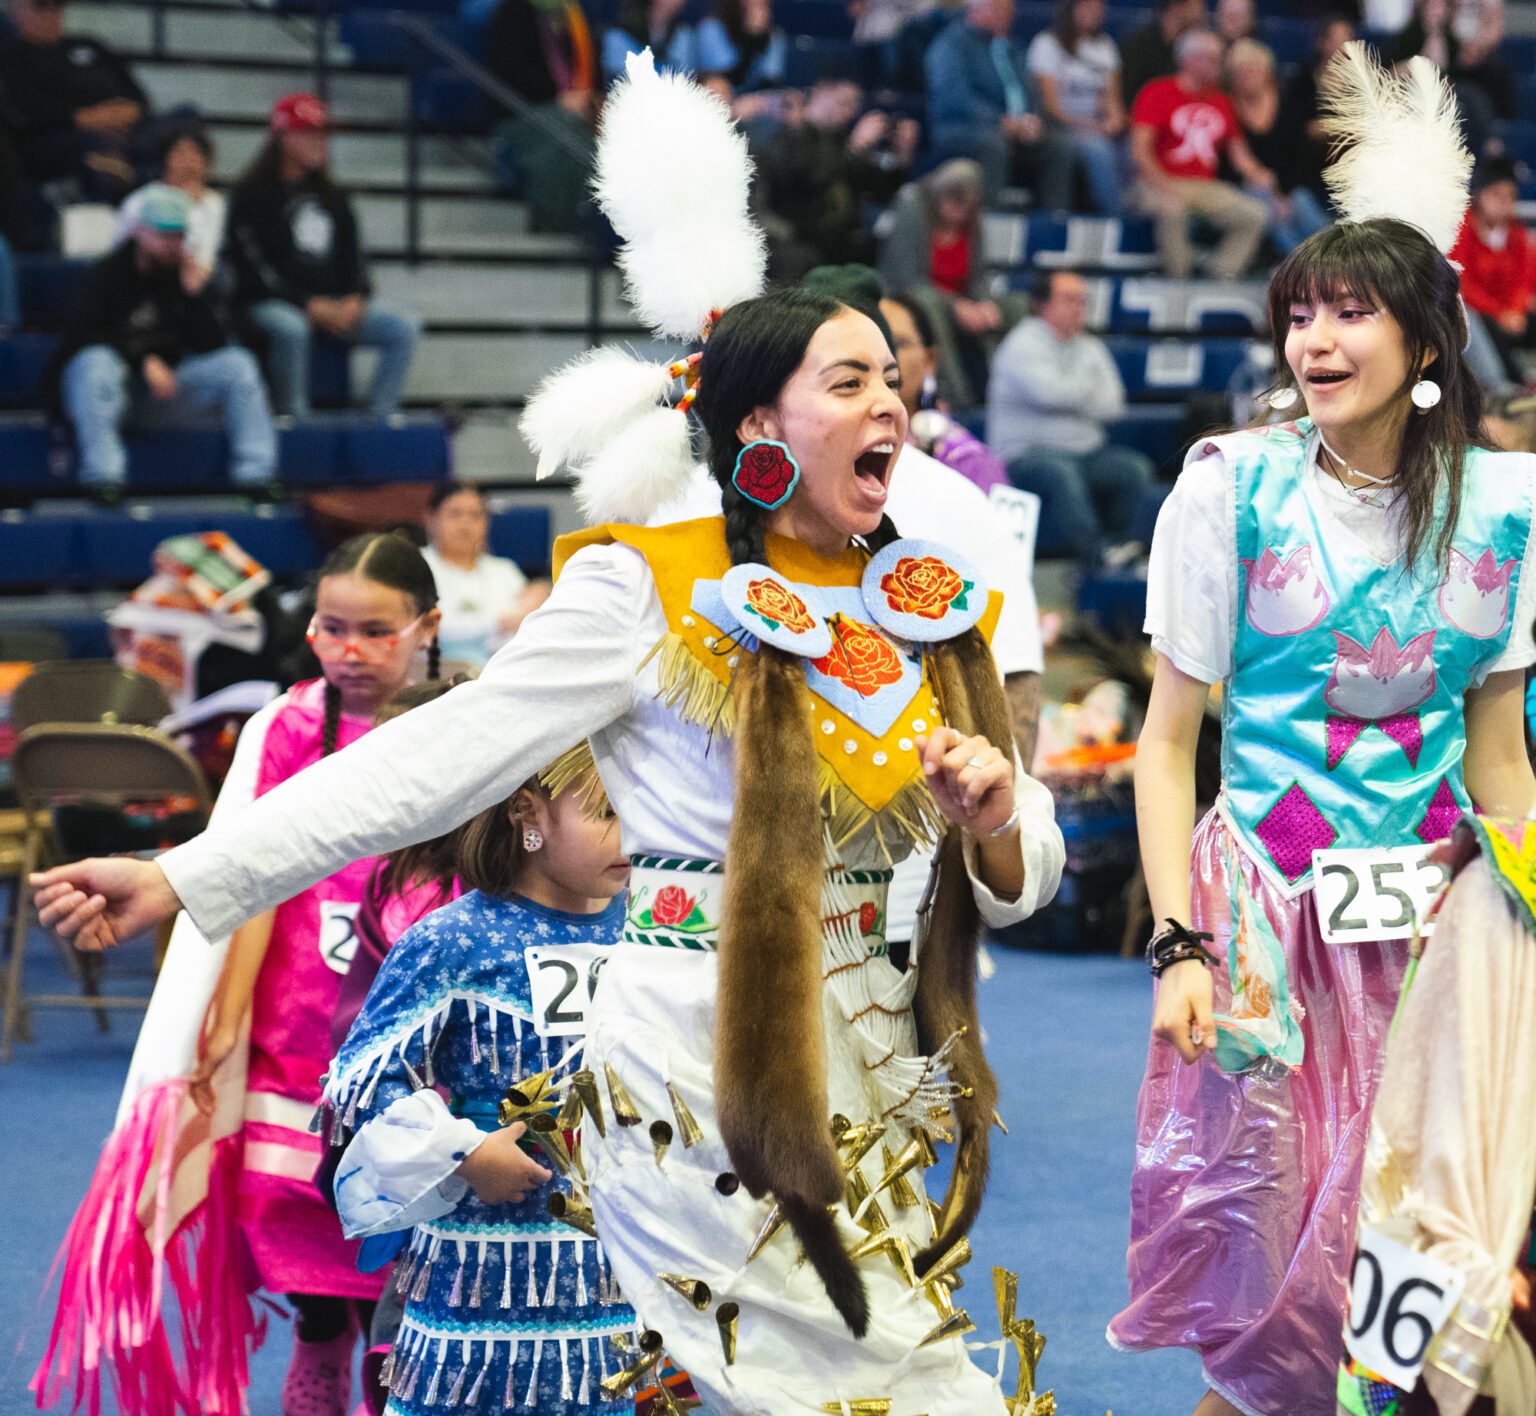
1398	142
674	178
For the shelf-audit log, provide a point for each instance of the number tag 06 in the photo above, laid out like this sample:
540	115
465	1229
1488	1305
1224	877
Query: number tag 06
1385	894
1398	1300
562	979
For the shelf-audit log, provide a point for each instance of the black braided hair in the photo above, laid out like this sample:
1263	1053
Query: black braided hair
434	660
332	719
387	559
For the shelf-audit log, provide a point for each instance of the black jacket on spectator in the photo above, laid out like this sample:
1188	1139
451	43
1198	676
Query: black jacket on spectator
138	313
1145	55
515	51
293	241
45	84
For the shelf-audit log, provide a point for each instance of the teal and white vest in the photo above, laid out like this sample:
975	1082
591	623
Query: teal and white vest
1343	714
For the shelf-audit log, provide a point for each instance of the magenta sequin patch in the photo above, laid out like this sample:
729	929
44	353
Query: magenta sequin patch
1342	733
1443	814
1291	830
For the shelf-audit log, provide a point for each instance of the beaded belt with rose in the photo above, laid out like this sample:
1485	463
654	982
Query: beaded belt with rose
675	903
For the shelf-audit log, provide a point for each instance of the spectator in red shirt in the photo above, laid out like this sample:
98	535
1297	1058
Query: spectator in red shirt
1180	129
1498	277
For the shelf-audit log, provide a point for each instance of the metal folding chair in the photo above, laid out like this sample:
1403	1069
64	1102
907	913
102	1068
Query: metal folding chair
105	765
86	691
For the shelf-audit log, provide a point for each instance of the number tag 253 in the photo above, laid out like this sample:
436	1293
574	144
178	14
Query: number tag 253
1376	894
1398	1300
562	979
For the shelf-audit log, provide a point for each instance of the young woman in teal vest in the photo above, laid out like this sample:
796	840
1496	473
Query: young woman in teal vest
1359	582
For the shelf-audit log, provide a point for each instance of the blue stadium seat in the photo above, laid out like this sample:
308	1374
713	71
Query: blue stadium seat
309	453
177	459
1156	429
1168	368
413	451
330	373
47	286
23	361
36	550
116	547
25	446
820	19
1059	241
1145	519
1115	600
521	533
444	99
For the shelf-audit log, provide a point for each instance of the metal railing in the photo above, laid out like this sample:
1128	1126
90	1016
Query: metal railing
425	47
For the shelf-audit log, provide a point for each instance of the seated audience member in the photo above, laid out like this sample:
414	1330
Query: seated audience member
1076	68
298	260
1271	133
930	250
928	427
1479	29
484	598
1511	424
1498	277
1234	20
1147	53
1180	130
818	170
543	53
75	103
1310	152
741	44
978	106
1054	387
146	323
185	163
896	34
657	25
1433	31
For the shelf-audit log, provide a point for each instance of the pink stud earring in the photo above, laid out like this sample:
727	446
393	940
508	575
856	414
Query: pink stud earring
532	840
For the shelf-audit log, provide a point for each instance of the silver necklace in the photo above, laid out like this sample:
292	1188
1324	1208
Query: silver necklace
1364	495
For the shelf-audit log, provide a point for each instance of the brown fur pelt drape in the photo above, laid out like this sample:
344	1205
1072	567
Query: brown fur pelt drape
770	1047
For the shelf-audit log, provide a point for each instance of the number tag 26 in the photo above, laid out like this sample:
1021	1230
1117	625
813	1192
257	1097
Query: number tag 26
1376	894
1399	1299
562	978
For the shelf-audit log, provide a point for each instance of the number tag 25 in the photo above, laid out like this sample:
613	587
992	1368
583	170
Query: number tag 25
1376	894
1398	1300
562	978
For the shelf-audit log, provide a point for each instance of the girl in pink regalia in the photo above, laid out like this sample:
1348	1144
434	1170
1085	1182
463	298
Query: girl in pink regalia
211	1171
1367	612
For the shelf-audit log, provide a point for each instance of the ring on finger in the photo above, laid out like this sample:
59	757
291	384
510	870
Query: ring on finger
973	762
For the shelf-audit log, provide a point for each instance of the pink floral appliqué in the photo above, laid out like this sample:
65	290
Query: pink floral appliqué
1381	686
1285	597
1475	595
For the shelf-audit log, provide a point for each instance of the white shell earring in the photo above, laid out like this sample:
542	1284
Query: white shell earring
532	840
1283	398
1425	394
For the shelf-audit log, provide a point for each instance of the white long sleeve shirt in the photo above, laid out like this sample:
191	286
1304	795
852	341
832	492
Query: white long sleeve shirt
573	672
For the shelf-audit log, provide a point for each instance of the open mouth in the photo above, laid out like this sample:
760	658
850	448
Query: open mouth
1326	378
874	463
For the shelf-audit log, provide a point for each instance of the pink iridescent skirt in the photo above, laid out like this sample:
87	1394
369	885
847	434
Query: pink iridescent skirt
1245	1187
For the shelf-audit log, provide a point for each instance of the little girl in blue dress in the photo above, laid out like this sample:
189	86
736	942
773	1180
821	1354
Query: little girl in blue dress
505	1307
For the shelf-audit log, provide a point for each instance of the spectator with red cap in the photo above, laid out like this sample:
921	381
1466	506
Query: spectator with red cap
147	334
297	255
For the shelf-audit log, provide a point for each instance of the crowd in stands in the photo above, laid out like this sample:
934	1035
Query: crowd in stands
198	284
886	152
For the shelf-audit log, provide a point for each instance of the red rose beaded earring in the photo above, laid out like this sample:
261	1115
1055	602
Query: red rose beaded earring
766	473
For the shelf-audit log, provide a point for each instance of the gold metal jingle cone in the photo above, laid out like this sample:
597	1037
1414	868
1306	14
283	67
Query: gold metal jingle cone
955	1258
858	1141
856	1193
934	1214
894	1247
938	1295
860	1406
998	1121
551	1140
956	1324
771	1226
625	1344
910	1158
695	1290
661	1139
584	1084
688	1129
727	1318
669	1403
1005	1288
626	1379
624	1109
840	1125
569	1115
570	1211
925	1143
531	1093
902	1194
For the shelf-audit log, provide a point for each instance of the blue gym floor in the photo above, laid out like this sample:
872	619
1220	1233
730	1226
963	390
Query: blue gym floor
1066	1035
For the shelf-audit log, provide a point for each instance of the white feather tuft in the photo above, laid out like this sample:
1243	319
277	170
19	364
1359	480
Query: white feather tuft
674	177
649	465
1399	144
580	408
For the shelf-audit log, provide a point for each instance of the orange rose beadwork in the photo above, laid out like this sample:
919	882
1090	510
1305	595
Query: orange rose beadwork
925	587
777	605
861	658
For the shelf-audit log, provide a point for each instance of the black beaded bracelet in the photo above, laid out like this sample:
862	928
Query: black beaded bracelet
1175	943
